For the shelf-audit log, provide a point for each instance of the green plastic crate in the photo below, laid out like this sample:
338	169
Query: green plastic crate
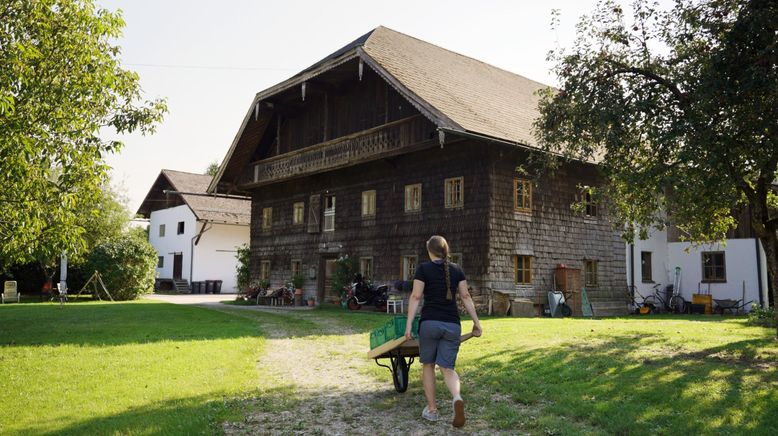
393	329
377	337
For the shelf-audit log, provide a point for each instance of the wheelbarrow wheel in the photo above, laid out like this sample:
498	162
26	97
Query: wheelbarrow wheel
400	374
566	310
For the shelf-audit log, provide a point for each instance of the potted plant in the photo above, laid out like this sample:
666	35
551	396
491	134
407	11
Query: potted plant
312	300
264	284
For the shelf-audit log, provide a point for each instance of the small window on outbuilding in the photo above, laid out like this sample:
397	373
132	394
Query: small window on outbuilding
645	266
180	228
160	261
161	230
714	267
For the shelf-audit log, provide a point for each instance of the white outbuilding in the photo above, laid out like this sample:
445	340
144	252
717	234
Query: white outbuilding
196	235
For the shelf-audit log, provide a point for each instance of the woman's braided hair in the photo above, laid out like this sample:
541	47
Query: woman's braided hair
438	246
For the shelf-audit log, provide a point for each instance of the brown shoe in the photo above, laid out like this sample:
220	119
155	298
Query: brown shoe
459	413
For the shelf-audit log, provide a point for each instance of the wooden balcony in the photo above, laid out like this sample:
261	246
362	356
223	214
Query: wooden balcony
388	139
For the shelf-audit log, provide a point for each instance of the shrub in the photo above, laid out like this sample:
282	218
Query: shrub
345	267
763	316
127	264
242	272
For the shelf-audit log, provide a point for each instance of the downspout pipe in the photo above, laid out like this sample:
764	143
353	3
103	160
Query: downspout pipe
759	272
194	241
632	269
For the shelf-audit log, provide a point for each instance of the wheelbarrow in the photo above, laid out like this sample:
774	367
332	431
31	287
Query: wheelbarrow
733	306
401	354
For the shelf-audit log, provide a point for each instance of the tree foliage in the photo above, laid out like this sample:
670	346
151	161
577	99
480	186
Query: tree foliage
680	108
212	169
127	264
61	84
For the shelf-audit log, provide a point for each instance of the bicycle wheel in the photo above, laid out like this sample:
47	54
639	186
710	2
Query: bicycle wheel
678	304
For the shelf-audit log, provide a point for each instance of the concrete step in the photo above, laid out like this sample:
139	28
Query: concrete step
609	308
181	285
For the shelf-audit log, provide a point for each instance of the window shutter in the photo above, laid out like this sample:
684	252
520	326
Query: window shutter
314	213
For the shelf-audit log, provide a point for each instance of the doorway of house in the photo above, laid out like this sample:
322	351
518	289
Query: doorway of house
178	262
327	268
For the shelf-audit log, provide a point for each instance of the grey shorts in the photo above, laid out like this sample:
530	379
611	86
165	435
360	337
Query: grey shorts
439	343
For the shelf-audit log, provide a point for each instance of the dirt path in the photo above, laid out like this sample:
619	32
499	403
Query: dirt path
322	383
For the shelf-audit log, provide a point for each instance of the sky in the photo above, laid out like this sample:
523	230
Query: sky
209	59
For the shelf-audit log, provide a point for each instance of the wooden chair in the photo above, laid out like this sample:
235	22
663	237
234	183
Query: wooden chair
9	292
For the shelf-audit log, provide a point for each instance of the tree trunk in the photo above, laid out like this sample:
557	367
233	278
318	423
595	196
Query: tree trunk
770	245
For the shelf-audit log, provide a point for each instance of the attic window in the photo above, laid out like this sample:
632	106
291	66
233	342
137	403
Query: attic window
180	228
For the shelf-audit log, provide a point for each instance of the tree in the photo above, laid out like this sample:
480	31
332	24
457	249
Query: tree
680	109
213	168
127	264
61	84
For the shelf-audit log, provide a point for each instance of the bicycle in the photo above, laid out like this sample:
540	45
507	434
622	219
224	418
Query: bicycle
634	305
671	302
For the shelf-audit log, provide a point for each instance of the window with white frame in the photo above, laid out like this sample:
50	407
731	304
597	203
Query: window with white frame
298	213
329	213
522	195
413	197
454	192
368	203
161	230
590	273
267	218
264	270
297	267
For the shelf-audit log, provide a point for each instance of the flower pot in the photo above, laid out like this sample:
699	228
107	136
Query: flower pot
311	302
298	292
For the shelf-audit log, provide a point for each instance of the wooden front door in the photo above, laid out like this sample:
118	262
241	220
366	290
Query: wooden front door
178	262
327	268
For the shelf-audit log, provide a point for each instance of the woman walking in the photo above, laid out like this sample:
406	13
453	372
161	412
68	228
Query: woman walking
439	282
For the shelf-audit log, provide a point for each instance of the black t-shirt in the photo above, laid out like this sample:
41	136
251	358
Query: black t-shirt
436	306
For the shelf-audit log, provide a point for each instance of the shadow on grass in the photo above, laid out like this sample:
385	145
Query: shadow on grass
626	385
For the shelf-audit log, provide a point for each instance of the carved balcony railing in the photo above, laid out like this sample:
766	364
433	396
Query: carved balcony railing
374	143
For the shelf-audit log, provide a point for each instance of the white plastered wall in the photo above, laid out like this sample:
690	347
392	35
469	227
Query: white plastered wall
740	263
172	243
214	254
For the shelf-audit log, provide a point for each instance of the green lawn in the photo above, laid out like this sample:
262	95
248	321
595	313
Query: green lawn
150	368
133	368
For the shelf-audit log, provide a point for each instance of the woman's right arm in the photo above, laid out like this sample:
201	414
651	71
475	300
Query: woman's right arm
413	305
467	300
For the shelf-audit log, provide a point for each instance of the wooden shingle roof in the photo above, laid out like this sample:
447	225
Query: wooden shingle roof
456	92
204	207
477	97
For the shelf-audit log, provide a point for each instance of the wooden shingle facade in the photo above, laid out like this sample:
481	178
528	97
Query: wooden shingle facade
390	140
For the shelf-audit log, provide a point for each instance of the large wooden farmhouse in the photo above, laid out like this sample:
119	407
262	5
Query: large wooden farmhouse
392	139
